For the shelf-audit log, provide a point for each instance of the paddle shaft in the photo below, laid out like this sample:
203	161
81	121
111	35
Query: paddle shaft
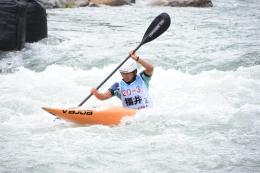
102	83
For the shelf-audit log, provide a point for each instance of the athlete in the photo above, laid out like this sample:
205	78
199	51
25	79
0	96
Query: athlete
133	88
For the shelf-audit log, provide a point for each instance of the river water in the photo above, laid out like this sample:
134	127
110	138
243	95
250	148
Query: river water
205	88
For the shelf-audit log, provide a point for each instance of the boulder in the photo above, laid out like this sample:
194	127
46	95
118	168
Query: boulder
21	21
12	24
190	3
110	2
36	21
82	3
65	3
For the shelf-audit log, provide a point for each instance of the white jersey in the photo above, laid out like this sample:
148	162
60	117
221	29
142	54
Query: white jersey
135	95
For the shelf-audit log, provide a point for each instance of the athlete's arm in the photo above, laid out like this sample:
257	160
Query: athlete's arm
147	66
101	96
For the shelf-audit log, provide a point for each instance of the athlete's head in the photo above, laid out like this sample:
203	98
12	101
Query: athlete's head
128	70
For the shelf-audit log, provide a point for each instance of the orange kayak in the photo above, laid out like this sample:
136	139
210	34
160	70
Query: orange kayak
109	116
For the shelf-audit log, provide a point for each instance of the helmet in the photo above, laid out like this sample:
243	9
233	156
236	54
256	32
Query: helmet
128	67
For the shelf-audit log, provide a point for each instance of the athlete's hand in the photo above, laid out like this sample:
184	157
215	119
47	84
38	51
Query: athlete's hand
94	91
134	56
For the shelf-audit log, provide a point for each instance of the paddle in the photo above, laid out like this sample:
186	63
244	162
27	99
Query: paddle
159	25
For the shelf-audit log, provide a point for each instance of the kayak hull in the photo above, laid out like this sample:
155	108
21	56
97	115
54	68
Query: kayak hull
109	116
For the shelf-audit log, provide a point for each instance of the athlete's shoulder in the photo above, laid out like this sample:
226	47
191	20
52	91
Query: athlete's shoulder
144	76
114	88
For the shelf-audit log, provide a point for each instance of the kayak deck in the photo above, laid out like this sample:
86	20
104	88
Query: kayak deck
108	116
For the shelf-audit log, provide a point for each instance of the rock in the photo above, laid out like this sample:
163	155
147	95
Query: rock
91	4
82	3
190	3
52	3
12	24
110	2
65	3
36	21
48	4
159	2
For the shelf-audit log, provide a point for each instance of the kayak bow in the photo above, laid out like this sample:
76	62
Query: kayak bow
108	116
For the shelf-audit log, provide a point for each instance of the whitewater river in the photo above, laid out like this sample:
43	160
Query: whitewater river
205	88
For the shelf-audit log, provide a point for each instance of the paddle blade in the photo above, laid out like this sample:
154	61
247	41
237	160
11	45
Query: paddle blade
159	25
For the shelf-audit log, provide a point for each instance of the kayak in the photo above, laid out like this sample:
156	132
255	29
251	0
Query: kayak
108	116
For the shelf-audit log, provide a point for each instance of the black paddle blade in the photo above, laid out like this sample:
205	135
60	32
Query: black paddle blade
159	25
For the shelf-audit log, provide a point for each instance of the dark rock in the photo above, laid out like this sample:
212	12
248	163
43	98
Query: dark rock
12	24
36	25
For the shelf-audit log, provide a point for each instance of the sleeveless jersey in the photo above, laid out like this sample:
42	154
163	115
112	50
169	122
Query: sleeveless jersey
135	95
